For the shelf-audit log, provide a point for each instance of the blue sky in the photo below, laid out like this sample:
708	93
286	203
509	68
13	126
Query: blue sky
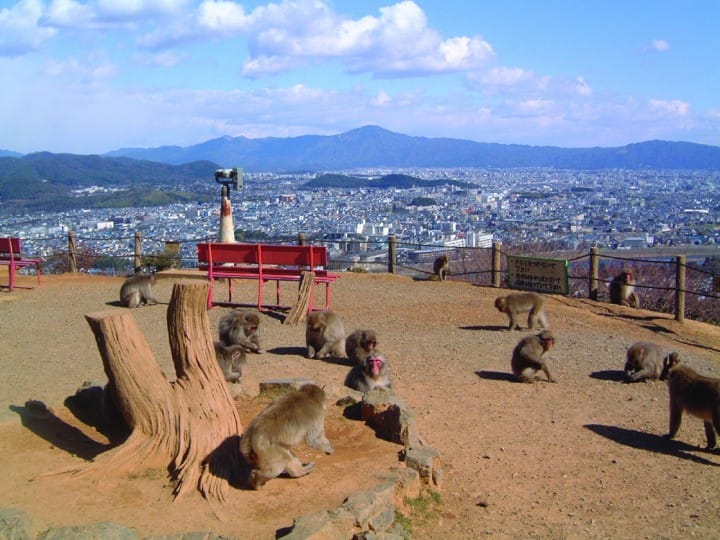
93	76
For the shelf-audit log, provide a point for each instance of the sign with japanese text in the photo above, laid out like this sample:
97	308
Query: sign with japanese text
535	274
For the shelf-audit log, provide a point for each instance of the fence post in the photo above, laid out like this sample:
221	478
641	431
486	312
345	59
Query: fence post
680	289
594	271
138	250
496	264
302	239
72	252
392	253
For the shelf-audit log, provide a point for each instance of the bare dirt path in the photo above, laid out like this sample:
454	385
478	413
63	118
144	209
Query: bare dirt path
580	458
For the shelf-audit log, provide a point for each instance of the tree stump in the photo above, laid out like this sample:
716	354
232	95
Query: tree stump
190	425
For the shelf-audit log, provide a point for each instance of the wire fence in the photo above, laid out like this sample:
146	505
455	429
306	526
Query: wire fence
657	278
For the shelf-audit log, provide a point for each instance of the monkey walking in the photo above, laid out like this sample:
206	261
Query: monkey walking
372	373
622	289
528	357
231	360
241	327
359	344
644	361
288	420
136	290
441	267
324	334
693	393
515	304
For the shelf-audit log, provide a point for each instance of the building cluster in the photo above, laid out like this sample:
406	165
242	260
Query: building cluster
568	209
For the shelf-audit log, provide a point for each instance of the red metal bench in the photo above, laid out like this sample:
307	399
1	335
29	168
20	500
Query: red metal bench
11	256
264	262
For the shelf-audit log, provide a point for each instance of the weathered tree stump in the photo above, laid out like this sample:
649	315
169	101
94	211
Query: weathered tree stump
190	425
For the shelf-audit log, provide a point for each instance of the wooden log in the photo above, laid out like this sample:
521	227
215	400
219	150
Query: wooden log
300	309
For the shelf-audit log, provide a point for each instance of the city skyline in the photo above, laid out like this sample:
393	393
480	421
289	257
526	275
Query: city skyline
91	77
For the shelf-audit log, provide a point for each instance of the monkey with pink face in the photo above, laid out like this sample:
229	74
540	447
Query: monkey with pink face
373	372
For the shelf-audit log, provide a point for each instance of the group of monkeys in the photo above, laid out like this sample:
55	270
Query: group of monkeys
300	415
688	390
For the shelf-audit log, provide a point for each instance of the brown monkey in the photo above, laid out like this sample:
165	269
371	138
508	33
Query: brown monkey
373	372
231	359
324	334
359	344
528	356
241	327
622	289
441	267
693	393
136	290
644	360
288	420
516	303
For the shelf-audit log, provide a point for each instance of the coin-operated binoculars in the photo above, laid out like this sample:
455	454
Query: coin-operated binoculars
234	178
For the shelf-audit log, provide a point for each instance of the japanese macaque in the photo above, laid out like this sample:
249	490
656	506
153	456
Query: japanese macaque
516	303
528	356
441	267
644	361
288	420
241	327
359	344
324	334
372	373
231	359
692	393
136	290
622	289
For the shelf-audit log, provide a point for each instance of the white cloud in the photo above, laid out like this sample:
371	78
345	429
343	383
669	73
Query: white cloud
96	67
660	45
674	107
20	31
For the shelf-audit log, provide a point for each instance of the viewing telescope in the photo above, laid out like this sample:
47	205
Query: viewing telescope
230	177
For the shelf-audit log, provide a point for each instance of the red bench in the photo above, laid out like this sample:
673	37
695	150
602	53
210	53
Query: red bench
11	256
264	262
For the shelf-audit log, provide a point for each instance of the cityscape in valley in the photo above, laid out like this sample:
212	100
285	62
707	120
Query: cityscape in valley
561	209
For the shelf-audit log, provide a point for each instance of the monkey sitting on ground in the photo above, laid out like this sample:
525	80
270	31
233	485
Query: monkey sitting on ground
231	359
288	420
644	361
441	267
528	356
372	373
136	290
324	334
359	344
516	303
622	289
693	393
241	327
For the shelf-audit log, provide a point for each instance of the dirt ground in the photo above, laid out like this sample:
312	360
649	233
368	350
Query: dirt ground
582	458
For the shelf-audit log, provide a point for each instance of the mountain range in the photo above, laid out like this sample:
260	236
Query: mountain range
373	146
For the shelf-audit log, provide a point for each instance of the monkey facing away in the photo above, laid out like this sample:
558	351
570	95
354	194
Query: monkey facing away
372	373
516	303
359	344
288	420
693	393
324	334
241	327
528	356
622	289
441	267
231	359
136	290
644	361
